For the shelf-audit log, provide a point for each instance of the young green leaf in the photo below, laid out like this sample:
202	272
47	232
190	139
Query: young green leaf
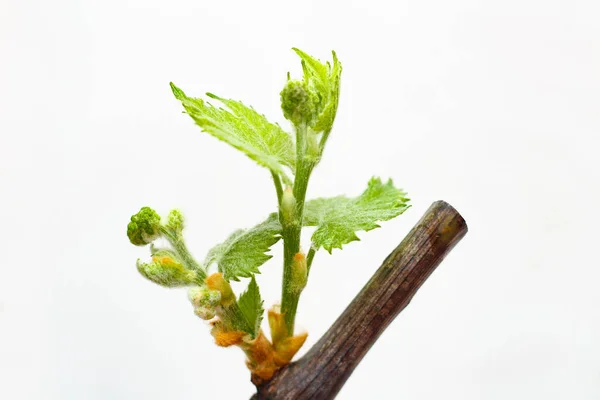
325	78
244	250
339	218
251	306
243	128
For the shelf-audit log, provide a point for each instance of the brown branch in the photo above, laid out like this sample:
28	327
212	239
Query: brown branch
322	372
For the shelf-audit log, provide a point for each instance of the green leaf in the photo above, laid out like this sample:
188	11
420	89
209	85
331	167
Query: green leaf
244	250
325	78
251	306
315	72
339	218
243	128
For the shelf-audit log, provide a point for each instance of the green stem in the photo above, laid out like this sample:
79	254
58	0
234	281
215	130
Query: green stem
278	187
231	315
309	259
324	140
182	251
292	229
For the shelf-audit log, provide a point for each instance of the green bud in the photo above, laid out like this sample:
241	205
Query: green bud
144	227
204	301
216	282
288	206
277	325
299	273
166	271
204	297
205	313
175	221
299	102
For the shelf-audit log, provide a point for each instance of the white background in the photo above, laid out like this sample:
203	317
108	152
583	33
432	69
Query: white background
492	106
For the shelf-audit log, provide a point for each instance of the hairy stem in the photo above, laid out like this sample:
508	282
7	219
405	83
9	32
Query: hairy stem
278	187
181	249
324	140
309	258
292	230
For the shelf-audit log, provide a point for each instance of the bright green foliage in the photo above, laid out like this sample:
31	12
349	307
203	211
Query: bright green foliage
251	306
325	78
144	227
338	218
311	105
244	251
243	128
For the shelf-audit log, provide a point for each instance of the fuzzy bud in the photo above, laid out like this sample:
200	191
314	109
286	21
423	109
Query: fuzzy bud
299	102
287	349
166	271
204	301
299	272
203	297
218	283
144	227
205	313
277	325
175	221
288	206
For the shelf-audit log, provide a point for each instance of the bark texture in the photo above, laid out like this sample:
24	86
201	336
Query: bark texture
321	373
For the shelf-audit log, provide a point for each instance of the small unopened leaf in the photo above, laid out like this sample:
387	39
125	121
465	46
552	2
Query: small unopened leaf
325	78
251	306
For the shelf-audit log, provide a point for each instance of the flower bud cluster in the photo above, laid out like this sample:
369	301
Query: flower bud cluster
144	227
204	301
166	270
299	102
